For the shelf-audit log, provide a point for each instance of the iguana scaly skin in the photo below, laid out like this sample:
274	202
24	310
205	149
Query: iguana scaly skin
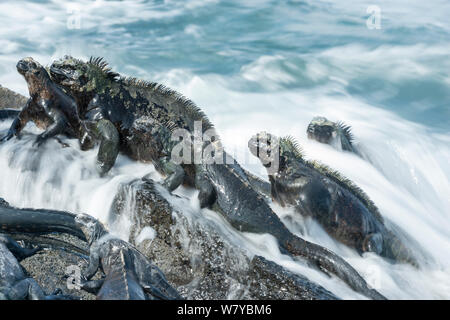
129	275
340	207
147	114
333	133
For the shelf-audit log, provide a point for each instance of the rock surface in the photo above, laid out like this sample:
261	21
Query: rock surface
199	262
11	99
51	266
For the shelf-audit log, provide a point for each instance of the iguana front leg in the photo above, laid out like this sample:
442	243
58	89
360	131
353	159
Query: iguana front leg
105	131
53	130
58	126
94	265
92	286
20	121
174	172
109	145
207	195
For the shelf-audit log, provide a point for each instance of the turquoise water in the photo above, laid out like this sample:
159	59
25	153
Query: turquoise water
268	65
402	67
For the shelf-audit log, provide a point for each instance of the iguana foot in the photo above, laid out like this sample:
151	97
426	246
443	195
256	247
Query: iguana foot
207	195
8	137
87	142
175	174
13	130
40	140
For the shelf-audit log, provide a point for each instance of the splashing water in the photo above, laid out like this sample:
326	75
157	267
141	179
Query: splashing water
263	65
65	179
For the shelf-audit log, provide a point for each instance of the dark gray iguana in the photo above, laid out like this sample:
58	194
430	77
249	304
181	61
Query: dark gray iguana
336	134
339	206
129	275
146	114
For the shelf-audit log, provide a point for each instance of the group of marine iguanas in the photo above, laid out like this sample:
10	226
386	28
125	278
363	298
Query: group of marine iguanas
127	273
90	102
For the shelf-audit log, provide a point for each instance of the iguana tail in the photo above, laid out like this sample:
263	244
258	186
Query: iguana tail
330	263
9	114
395	249
38	221
247	211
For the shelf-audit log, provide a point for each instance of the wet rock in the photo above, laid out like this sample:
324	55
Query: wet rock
3	203
196	259
11	99
50	266
149	209
271	281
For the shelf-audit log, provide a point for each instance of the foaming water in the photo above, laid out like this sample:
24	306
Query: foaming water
65	178
262	65
61	178
407	175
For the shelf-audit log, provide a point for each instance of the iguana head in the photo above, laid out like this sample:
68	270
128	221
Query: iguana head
273	152
325	131
78	76
91	227
321	129
33	72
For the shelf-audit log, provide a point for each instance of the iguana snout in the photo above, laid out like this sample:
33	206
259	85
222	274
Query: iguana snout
28	65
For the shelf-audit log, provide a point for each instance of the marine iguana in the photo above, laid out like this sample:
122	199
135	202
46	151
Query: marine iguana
336	134
146	114
341	208
136	108
129	274
48	106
